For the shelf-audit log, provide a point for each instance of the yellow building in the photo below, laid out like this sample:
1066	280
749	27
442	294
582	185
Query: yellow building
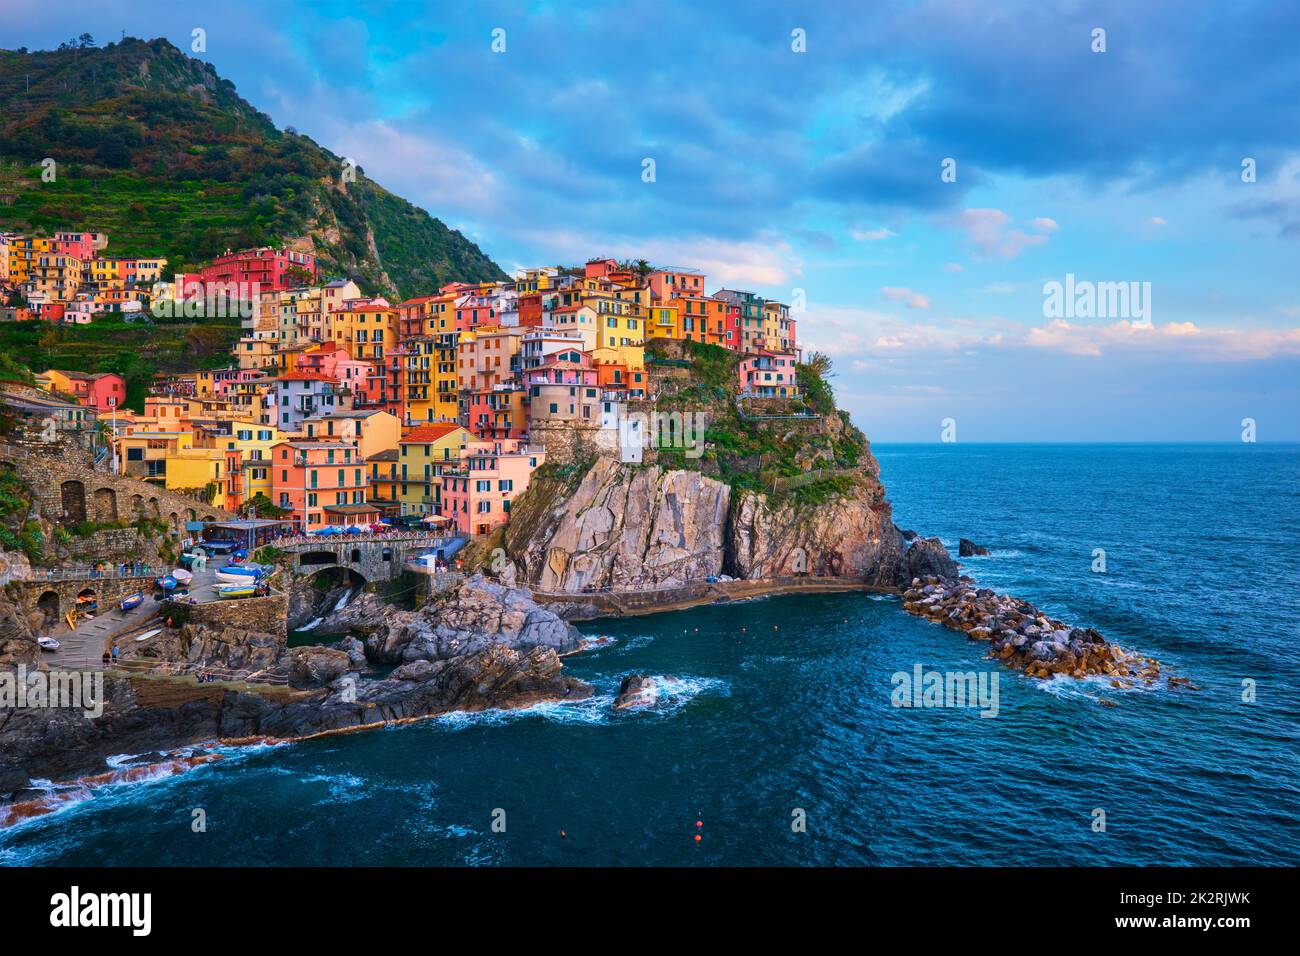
776	326
23	251
53	275
248	459
368	332
192	469
423	454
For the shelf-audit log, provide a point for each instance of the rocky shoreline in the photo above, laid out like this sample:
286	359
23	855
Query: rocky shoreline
480	647
1023	637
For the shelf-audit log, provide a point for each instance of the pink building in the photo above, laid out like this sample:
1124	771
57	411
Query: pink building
332	361
477	496
765	374
81	245
674	283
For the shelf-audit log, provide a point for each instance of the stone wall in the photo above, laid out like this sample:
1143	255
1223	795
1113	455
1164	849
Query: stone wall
112	545
267	615
67	488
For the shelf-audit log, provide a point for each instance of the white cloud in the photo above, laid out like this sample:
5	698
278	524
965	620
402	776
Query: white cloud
914	300
989	232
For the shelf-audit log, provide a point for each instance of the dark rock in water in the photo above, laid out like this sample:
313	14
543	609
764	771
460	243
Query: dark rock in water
967	548
927	557
12	778
909	535
636	690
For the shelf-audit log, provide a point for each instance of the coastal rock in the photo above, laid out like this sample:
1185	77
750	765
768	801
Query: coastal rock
17	639
842	537
967	548
314	666
479	614
142	715
623	528
636	690
928	558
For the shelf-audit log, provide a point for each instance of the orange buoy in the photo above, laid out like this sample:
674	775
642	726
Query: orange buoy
562	834
698	824
698	838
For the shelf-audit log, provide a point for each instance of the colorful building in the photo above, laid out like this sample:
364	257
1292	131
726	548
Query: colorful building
423	454
493	474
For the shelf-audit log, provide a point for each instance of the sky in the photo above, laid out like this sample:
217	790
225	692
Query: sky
916	175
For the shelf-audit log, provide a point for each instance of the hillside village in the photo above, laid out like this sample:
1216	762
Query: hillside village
339	409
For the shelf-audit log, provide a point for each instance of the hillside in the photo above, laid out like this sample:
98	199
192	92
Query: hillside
157	150
133	348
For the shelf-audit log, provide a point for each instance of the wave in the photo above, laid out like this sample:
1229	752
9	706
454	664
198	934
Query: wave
124	771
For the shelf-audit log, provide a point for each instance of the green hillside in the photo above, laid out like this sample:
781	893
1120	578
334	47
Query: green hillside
158	151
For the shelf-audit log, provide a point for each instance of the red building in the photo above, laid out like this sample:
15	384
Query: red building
273	270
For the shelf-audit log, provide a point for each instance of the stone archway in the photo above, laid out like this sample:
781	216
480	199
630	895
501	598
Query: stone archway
48	605
154	510
175	520
137	506
105	504
73	495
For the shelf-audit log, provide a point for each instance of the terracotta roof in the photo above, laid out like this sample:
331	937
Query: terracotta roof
306	377
429	433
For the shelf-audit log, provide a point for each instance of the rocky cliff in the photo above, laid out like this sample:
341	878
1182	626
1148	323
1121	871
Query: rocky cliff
630	527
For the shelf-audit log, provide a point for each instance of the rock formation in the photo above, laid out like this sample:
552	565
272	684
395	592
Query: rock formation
1023	637
631	528
967	548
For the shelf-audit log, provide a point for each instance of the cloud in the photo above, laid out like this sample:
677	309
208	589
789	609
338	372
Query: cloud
1183	337
914	300
988	231
871	235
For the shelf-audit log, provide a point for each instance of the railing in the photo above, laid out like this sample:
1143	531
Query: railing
89	572
300	543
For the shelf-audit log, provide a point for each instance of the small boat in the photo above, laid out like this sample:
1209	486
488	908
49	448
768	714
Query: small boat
48	643
182	576
167	582
237	576
132	601
236	590
148	634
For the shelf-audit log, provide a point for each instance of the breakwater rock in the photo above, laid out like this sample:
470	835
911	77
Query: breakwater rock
1023	637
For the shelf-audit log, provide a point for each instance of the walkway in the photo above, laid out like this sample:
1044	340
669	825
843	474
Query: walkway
84	647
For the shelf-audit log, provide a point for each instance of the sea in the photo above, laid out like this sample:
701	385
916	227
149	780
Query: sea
776	737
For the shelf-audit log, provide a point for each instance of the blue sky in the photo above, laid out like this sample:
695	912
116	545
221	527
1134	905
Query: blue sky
820	171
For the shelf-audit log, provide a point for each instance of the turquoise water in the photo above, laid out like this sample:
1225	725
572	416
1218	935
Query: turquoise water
785	703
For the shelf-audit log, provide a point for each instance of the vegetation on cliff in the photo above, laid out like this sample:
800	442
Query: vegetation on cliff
157	150
798	451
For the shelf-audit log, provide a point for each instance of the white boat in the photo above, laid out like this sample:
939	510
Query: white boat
48	643
182	576
148	634
238	575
